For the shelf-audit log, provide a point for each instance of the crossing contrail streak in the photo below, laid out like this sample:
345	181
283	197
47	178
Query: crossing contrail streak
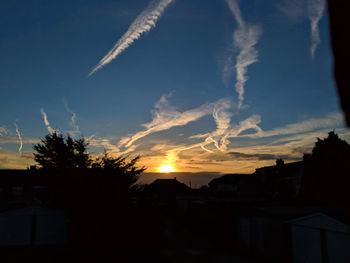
245	38
19	138
142	24
315	10
46	122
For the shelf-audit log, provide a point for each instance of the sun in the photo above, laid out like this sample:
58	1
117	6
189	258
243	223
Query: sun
166	168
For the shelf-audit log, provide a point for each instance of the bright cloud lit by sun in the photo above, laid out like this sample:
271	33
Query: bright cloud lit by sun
166	168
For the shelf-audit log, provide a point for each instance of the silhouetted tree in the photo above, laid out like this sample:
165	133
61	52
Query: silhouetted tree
95	193
117	174
326	176
279	162
57	152
119	165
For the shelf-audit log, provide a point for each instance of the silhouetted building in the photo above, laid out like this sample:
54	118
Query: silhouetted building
20	185
293	235
33	226
227	184
166	189
281	180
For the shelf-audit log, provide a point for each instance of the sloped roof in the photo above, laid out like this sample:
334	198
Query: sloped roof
295	212
322	221
287	169
167	185
228	179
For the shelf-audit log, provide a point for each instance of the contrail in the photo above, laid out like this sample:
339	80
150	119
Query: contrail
224	129
222	119
142	24
46	122
165	117
220	137
329	121
245	38
73	122
19	138
250	123
2	131
315	11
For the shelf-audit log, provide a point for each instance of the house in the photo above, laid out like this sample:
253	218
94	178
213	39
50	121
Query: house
21	185
282	180
227	184
241	186
33	226
165	189
292	235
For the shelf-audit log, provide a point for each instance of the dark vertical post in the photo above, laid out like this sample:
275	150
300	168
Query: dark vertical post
33	230
324	246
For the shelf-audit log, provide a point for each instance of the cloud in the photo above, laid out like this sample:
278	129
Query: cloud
12	160
19	138
142	24
46	122
2	131
330	121
220	137
164	117
103	143
247	124
222	118
315	11
260	156
293	9
245	37
73	122
298	10
294	140
108	145
6	139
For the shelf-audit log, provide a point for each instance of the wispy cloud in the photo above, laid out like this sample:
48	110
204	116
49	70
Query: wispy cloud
165	116
12	160
315	11
73	122
293	9
225	130
222	117
12	139
260	156
19	138
142	24
103	143
46	122
298	10
219	137
240	155
245	37
2	131
330	121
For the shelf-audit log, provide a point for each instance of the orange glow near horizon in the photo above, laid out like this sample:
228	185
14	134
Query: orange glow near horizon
166	168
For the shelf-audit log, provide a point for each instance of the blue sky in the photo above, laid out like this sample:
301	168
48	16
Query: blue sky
173	79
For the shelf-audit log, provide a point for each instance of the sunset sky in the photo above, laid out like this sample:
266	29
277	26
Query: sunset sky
192	85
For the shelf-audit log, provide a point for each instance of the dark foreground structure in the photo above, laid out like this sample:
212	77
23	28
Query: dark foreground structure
78	216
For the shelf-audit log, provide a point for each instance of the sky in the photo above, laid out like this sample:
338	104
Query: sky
196	86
